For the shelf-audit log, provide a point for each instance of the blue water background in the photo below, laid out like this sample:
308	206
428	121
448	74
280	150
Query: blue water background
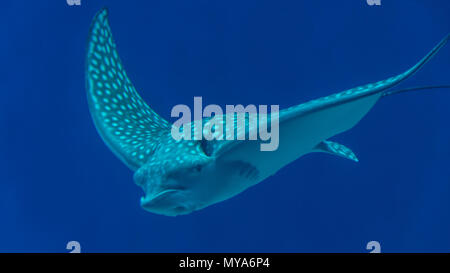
59	182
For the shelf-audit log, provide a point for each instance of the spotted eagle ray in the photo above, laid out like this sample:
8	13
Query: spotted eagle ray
179	177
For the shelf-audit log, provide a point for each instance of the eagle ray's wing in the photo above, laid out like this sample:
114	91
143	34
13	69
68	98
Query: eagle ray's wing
303	127
129	127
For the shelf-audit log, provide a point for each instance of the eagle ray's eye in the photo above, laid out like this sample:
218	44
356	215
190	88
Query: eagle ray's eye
197	168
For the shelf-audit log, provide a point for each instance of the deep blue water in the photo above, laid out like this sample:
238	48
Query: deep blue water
59	182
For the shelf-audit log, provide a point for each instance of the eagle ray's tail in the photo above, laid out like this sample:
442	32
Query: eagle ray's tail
391	82
394	92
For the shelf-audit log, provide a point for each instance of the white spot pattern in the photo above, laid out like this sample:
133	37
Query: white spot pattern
125	122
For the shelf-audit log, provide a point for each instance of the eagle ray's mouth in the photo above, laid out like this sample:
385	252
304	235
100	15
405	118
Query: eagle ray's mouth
151	198
163	193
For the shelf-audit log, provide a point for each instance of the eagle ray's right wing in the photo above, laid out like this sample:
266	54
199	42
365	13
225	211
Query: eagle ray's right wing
129	127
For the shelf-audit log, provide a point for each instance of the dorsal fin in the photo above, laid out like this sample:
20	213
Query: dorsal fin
130	128
336	149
